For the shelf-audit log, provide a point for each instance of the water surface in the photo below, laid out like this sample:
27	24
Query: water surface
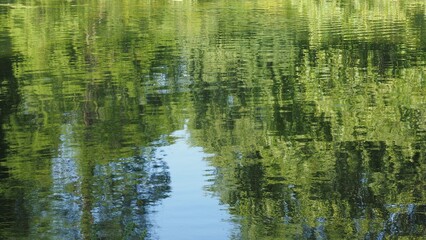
292	119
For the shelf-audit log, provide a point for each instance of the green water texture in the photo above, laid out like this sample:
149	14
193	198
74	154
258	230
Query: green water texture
212	119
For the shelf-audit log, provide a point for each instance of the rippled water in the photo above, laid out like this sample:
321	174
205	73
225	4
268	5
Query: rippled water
260	119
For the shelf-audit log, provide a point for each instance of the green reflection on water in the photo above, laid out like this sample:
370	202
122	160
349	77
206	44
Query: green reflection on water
314	111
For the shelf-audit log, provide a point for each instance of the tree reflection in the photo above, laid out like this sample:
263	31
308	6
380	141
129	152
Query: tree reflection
314	111
339	159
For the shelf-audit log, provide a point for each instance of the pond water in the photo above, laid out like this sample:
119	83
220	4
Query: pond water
257	119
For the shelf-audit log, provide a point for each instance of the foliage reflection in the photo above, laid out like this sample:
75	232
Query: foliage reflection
314	111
